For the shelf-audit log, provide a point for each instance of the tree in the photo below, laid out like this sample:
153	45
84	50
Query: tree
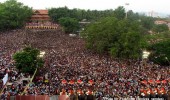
57	13
133	16
120	38
79	14
160	52
119	12
147	22
27	60
159	47
70	25
160	28
13	14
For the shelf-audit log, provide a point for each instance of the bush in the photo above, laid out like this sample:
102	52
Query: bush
27	60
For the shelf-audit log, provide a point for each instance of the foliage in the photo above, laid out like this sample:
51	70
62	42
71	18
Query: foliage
155	38
120	38
147	22
133	16
57	13
27	60
160	28
159	47
70	25
13	14
119	12
160	52
79	14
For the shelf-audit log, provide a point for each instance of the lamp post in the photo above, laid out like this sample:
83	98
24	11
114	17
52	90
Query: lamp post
126	9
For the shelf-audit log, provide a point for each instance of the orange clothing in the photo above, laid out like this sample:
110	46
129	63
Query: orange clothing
71	92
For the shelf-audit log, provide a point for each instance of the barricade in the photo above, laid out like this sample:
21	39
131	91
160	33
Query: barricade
12	97
32	97
54	97
40	97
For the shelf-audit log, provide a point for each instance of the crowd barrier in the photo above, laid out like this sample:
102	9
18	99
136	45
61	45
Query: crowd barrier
36	97
40	97
66	97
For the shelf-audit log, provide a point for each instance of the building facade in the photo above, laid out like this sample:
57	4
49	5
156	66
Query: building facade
40	16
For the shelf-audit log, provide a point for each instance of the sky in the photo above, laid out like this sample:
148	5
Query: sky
159	6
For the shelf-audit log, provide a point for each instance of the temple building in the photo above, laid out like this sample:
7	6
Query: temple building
41	20
40	16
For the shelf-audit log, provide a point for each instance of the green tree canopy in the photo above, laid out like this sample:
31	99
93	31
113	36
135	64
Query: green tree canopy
79	14
133	16
147	22
121	38
13	14
160	52
70	25
159	47
27	60
57	13
119	12
160	28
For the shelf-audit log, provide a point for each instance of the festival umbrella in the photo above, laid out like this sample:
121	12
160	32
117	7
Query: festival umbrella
158	81
63	81
79	81
91	82
151	81
164	81
144	82
71	82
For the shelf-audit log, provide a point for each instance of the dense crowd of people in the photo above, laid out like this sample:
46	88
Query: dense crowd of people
73	70
42	25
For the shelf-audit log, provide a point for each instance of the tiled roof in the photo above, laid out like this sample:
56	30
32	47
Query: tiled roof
41	11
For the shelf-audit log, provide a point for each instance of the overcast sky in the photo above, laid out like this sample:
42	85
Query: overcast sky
160	6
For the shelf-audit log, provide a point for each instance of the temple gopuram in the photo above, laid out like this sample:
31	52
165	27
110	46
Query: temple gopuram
40	20
40	16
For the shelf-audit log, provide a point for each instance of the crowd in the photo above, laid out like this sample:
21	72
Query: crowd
73	70
41	25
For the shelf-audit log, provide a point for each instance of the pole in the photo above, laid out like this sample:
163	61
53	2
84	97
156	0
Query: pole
49	79
127	10
126	14
29	82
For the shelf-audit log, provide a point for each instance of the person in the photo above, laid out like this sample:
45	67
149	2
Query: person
4	96
81	95
90	96
63	92
168	97
72	95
